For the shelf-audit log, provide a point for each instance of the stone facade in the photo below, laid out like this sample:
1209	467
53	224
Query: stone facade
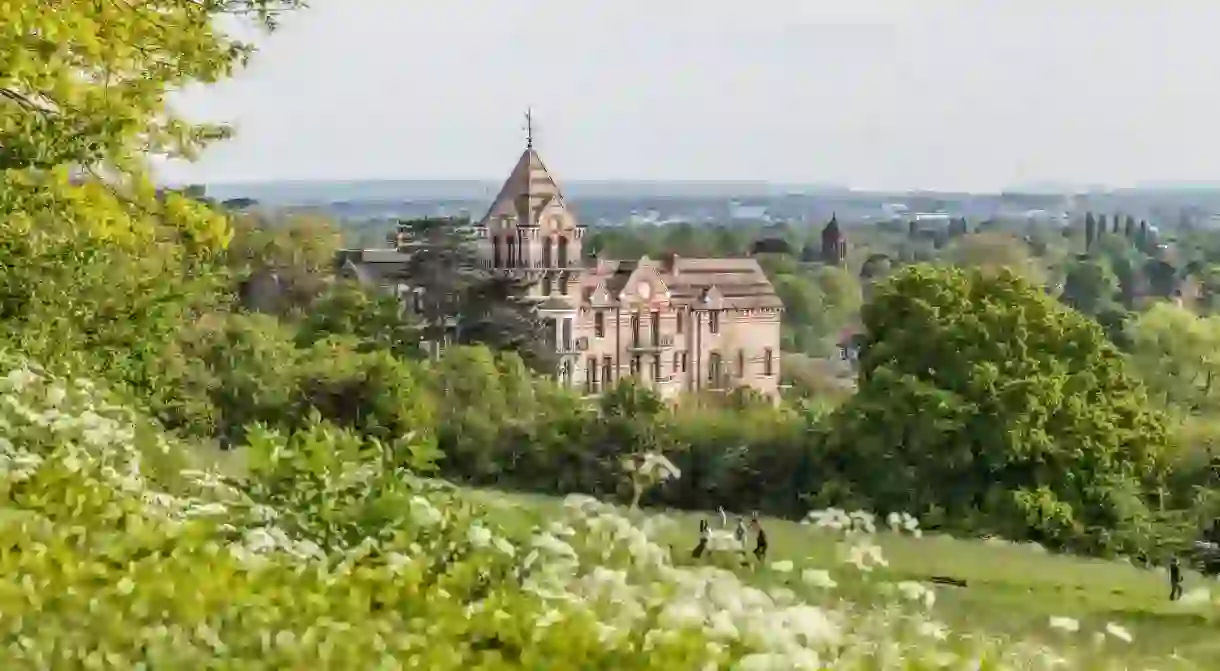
676	324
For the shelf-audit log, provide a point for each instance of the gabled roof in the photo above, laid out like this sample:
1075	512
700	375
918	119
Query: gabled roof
739	282
530	187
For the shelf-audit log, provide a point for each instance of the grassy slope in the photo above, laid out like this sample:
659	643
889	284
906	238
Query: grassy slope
1011	588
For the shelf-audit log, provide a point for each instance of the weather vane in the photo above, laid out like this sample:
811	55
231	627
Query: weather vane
529	128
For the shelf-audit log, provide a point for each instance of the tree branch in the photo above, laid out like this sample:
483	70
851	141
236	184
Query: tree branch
27	102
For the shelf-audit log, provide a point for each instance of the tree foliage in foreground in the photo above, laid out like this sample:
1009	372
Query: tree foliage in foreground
85	83
982	398
100	264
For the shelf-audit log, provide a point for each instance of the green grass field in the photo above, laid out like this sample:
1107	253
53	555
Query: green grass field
1011	589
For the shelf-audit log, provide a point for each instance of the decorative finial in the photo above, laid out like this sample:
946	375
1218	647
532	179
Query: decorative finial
529	128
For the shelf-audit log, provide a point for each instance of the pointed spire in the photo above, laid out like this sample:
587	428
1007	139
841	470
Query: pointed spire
832	228
529	128
530	187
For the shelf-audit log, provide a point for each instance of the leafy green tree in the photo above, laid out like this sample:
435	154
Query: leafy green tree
983	400
1089	286
876	266
1162	278
86	84
101	268
1178	354
375	319
295	254
1209	280
462	301
818	304
993	251
1143	239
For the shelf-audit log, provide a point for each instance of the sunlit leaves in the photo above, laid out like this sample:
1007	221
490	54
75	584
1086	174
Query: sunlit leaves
85	83
975	385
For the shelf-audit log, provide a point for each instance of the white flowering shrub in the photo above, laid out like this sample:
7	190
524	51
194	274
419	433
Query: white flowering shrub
647	470
117	551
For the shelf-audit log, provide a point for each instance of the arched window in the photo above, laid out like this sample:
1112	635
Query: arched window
546	252
563	252
713	370
546	285
563	284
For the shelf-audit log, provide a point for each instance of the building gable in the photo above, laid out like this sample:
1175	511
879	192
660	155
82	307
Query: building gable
644	286
601	298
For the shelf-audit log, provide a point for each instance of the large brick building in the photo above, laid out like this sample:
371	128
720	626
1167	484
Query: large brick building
676	324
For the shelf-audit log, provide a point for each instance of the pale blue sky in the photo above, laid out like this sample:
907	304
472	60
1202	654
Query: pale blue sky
953	94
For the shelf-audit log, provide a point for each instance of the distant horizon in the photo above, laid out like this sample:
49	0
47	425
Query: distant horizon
1040	188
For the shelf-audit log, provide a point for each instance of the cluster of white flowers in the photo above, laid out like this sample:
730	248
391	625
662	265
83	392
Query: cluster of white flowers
903	523
841	521
652	467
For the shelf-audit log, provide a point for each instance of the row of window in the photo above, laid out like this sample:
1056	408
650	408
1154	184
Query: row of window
681	360
599	324
516	256
563	285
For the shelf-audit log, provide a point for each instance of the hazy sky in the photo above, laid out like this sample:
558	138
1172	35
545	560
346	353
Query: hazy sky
954	94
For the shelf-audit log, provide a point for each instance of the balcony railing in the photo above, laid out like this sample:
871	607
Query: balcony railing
580	344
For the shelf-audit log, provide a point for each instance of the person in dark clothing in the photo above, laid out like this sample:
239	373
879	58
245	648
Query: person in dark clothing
760	543
1175	579
704	532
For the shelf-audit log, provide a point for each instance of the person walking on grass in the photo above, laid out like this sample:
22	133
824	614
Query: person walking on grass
1175	579
704	532
760	542
724	518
